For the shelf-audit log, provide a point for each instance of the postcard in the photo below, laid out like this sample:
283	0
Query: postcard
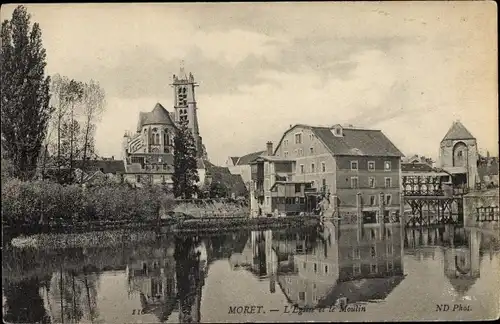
250	162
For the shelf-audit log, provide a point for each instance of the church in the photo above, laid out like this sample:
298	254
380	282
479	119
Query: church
148	154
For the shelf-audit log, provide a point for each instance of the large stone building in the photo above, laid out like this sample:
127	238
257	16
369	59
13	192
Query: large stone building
338	162
458	155
148	154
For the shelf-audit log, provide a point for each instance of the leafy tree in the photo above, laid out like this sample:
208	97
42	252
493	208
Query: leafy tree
185	170
218	190
25	92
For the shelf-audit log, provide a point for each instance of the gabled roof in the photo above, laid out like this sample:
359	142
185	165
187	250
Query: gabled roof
246	159
354	141
457	131
234	159
271	158
158	116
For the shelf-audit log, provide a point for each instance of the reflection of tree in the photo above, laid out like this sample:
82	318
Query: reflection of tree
24	303
188	279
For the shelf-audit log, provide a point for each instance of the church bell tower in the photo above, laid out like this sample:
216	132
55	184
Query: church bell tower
185	106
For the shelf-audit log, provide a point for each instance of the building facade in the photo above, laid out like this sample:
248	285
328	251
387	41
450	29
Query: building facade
148	154
458	155
339	162
240	165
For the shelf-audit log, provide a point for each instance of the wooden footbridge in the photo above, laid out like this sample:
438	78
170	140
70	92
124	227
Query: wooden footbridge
429	201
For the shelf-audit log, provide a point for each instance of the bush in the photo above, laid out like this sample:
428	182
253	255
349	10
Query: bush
42	202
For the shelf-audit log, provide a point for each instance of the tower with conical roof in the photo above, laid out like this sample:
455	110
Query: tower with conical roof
458	155
185	106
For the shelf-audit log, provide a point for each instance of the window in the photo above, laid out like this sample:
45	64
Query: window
301	152
304	265
356	255
388	182
297	187
389	233
371	165
285	154
302	295
460	153
315	268
372	233
373	268
301	168
373	251
371	182
387	166
388	199
311	137
354	165
323	181
326	269
323	167
313	169
285	143
373	200
354	182
356	269
390	266
268	201
389	249
298	138
311	150
313	183
138	178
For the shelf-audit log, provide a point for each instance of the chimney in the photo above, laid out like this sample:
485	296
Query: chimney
269	146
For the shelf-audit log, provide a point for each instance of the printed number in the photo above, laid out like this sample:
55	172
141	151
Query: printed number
137	312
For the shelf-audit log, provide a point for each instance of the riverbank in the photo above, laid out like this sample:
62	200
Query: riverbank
74	236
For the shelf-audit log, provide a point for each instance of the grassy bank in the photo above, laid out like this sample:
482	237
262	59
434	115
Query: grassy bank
43	202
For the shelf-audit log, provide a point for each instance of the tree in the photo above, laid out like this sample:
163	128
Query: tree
25	92
219	190
93	106
185	170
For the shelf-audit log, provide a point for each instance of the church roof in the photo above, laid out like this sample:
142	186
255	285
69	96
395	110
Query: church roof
458	131
158	116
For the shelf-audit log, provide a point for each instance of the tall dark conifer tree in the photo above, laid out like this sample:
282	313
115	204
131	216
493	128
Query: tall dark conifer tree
185	166
25	92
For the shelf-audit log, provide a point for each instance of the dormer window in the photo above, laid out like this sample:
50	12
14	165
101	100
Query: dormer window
337	130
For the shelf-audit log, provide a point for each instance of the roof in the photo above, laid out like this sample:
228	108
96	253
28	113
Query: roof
158	116
457	131
271	158
234	182
246	159
421	167
354	141
234	159
106	166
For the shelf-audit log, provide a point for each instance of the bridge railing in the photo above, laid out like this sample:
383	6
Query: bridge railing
487	214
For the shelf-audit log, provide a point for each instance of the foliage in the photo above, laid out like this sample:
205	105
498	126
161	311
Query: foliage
25	92
41	202
218	190
185	167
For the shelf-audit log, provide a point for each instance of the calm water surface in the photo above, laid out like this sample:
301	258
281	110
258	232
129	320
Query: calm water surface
390	274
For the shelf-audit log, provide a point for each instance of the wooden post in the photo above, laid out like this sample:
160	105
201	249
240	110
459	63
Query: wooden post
402	216
359	216
381	216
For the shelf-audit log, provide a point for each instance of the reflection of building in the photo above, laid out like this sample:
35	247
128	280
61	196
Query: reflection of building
149	153
461	263
353	266
339	162
154	280
458	155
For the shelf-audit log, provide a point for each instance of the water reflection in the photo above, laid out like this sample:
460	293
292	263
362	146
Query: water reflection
165	280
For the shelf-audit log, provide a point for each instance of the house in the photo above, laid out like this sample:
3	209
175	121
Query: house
458	155
103	169
339	162
420	178
488	171
241	166
233	182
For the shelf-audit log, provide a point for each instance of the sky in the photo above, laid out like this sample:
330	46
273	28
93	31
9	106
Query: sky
408	69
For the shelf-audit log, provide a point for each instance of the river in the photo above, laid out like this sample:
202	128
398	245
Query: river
292	275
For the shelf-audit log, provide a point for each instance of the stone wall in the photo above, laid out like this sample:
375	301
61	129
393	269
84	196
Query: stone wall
479	199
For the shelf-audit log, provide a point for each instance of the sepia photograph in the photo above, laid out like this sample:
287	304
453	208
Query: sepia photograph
250	162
